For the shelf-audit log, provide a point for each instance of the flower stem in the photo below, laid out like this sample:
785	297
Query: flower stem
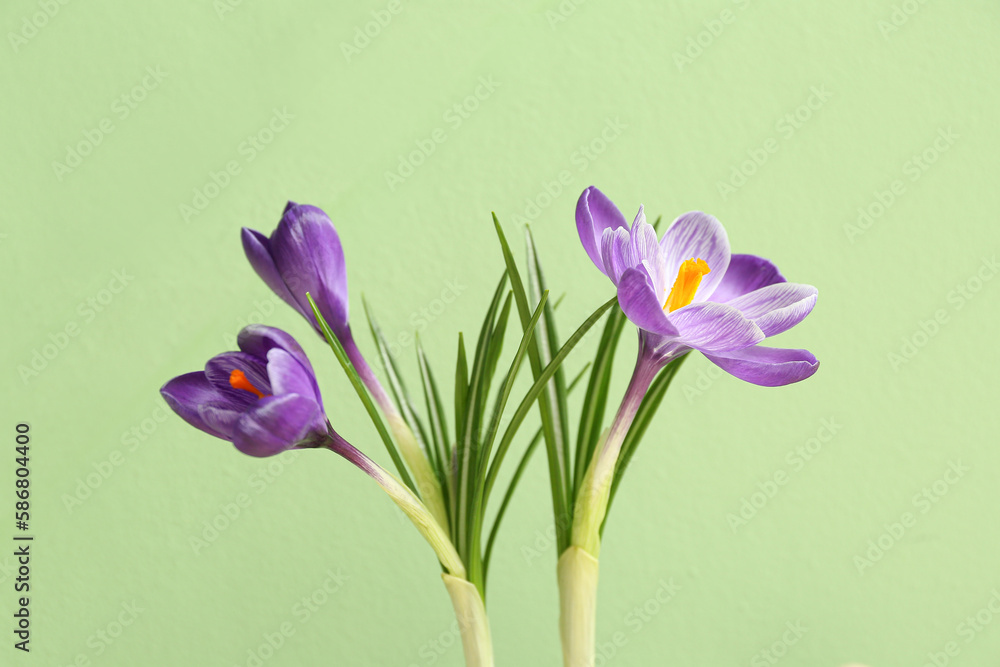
423	474
433	531
473	624
579	565
592	498
577	606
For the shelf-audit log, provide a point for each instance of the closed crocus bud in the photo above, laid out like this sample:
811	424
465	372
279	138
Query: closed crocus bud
303	255
264	398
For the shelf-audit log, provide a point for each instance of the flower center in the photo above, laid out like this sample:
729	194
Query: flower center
238	380
688	279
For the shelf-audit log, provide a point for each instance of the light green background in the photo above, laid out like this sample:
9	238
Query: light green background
558	83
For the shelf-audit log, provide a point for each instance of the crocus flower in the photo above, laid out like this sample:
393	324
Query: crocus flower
686	291
304	255
264	398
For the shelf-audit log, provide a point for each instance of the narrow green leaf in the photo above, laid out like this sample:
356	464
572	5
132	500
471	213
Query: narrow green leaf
508	385
558	483
468	445
461	387
461	391
410	415
437	419
548	340
477	389
366	400
496	340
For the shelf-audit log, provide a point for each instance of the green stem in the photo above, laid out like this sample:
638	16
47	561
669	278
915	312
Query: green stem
577	606
595	489
578	565
473	624
416	459
435	534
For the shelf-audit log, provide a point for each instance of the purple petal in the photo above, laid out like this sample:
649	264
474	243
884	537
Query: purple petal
615	251
697	235
745	274
644	243
310	258
219	369
595	213
642	305
289	377
258	251
623	249
713	327
277	423
258	340
767	366
777	307
222	418
186	393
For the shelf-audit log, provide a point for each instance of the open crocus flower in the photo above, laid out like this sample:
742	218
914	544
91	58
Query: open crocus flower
686	291
264	398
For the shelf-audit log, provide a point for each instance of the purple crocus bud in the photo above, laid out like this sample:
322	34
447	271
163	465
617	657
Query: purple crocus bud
264	398
303	255
687	291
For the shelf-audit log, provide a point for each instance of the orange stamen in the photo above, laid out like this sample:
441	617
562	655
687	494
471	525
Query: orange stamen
688	279
238	380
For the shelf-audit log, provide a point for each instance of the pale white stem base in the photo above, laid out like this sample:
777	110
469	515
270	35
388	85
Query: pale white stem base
578	572
470	612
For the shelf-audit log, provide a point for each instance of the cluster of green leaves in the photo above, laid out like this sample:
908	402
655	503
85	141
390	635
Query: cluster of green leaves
467	465
467	450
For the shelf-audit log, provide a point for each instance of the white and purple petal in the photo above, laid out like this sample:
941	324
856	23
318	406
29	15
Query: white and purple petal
644	245
595	214
745	274
616	253
697	235
767	366
712	327
777	307
641	303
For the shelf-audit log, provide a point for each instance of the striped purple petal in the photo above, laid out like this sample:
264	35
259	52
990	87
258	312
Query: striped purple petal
697	235
595	214
767	366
